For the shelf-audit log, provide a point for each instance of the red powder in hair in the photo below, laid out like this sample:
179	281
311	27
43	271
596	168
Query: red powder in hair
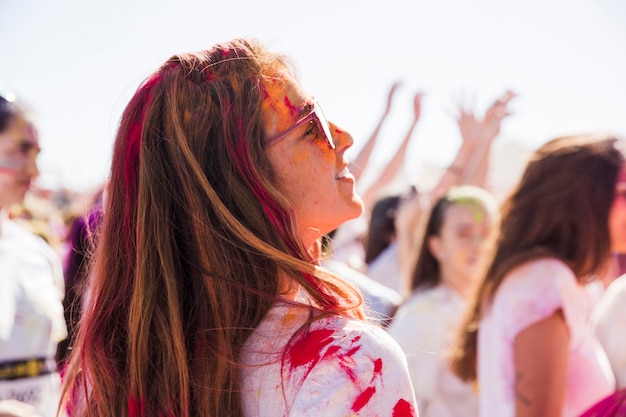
363	398
135	408
403	408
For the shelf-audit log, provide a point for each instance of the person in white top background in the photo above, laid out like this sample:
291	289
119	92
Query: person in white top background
452	257
526	338
31	282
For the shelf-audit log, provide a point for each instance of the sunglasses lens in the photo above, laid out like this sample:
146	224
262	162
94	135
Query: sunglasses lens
321	118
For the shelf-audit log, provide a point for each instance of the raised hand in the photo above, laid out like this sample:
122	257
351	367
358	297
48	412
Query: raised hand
392	92
417	105
496	113
474	128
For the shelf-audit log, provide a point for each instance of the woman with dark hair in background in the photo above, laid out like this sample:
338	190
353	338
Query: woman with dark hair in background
453	255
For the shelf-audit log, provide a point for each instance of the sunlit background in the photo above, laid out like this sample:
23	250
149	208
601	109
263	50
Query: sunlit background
77	62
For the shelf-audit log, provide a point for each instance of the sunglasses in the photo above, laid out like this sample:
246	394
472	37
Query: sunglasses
316	118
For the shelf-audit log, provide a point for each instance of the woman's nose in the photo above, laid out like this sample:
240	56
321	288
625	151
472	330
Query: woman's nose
30	167
342	139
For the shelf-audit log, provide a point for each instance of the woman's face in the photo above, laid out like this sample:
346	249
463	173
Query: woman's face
313	177
464	242
617	215
19	147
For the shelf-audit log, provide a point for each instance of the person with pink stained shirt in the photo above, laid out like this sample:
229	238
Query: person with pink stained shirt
207	293
526	339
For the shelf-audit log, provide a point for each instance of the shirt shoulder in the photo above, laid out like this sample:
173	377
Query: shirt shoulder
343	366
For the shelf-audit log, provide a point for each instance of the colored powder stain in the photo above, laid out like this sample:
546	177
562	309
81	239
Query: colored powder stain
306	351
349	371
363	398
294	110
479	215
331	350
135	408
403	408
353	350
378	367
300	157
356	339
288	318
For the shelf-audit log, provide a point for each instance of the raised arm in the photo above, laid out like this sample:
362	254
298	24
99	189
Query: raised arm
471	163
395	164
361	160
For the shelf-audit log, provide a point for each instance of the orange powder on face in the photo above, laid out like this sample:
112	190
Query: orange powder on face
301	156
275	111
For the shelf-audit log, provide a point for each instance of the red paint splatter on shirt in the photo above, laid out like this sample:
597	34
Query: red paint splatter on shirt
307	350
403	408
378	367
363	398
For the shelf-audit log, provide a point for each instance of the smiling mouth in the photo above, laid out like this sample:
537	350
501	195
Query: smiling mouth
343	173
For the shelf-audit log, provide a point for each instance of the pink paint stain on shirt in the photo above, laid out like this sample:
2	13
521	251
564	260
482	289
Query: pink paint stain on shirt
403	408
307	350
363	398
378	367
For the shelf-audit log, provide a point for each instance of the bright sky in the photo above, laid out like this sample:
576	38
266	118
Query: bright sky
77	62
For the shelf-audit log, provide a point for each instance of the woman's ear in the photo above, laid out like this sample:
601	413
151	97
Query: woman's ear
436	248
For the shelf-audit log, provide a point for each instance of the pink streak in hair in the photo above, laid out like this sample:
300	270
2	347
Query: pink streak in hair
136	408
131	158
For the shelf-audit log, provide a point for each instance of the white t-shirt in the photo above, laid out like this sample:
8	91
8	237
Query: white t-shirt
425	326
529	294
339	367
609	322
31	313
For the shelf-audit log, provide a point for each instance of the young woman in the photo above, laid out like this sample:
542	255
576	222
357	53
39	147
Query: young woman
452	258
31	281
206	299
526	337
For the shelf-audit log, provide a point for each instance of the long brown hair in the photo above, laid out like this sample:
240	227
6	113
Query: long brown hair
559	208
194	237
